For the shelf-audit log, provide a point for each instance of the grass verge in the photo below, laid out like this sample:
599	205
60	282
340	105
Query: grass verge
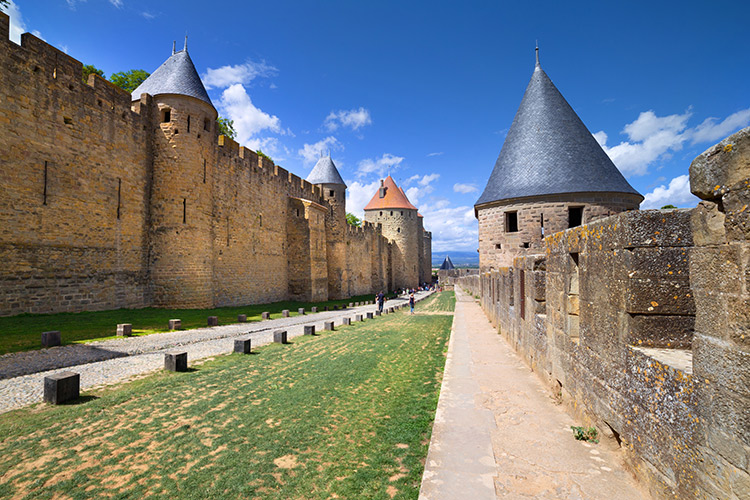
437	302
22	332
347	414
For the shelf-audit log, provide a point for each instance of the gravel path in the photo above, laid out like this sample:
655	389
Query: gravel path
113	361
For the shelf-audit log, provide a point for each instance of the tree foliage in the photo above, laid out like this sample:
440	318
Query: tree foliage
226	127
353	219
129	80
264	155
89	69
668	206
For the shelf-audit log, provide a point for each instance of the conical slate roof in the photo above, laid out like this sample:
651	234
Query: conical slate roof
393	197
325	172
177	75
447	264
548	150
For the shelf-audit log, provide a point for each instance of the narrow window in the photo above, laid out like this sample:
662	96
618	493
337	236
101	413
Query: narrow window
526	244
522	293
402	212
541	220
207	124
381	214
498	246
44	196
166	116
260	219
330	193
511	222
391	212
573	300
204	171
298	212
188	124
227	231
398	230
575	216
184	210
119	192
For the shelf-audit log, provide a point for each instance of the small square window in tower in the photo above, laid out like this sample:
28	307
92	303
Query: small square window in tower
511	222
330	193
166	116
575	216
207	124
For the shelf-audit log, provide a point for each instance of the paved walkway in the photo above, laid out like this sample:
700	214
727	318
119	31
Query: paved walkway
498	434
114	361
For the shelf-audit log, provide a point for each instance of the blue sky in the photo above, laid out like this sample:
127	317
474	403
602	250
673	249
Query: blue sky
429	89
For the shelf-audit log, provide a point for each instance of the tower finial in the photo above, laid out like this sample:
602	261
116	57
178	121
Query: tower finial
537	53
174	46
185	42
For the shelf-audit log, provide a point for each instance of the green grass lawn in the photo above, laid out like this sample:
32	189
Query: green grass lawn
23	332
347	414
437	302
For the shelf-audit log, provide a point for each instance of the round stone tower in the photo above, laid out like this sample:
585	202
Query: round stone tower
551	175
391	208
326	176
184	152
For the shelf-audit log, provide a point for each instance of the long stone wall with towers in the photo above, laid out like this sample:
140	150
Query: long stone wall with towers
110	203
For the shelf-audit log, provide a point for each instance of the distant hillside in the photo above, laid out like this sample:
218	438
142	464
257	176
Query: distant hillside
459	259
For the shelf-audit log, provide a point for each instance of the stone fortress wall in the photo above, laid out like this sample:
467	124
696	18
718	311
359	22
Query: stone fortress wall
108	203
641	322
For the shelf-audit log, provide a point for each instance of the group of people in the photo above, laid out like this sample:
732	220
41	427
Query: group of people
380	300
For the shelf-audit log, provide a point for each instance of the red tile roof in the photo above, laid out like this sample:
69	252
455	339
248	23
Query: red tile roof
394	197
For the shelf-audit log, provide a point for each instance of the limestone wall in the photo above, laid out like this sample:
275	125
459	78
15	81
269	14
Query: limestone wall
402	227
639	321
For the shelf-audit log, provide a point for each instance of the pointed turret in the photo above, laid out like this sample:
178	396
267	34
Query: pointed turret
447	264
549	150
325	172
177	76
389	195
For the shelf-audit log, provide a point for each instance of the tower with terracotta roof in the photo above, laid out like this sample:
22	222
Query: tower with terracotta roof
551	175
183	122
326	176
400	223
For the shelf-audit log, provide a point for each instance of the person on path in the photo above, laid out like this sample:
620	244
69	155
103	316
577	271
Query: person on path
411	302
381	299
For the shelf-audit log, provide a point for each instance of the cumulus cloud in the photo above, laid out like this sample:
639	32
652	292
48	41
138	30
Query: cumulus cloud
310	153
378	165
677	194
353	118
435	154
359	194
229	75
652	137
453	228
236	105
464	188
116	3
17	25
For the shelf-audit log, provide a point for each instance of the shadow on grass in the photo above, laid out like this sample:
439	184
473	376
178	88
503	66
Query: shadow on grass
87	398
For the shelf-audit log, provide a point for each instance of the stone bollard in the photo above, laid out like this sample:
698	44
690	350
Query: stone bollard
242	318
377	313
51	339
301	311
213	321
242	346
309	329
314	309
175	324
358	317
265	315
124	330
279	336
285	313
325	308
347	321
335	308
390	309
369	315
356	304
351	304
62	387
328	325
175	361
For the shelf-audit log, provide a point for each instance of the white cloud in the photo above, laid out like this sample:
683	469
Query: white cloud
379	165
359	194
17	25
240	73
148	15
236	105
435	154
464	188
353	118
38	34
677	194
453	228
310	153
427	179
651	138
116	3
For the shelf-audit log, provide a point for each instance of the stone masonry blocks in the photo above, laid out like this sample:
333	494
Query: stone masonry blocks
328	325
285	313
347	321
242	346
176	361
175	324
369	315
213	321
265	315
242	318
280	337
124	330
51	339
309	329
301	311
62	387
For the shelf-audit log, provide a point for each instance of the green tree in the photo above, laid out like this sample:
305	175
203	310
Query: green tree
89	69
668	206
226	127
353	220
129	80
264	155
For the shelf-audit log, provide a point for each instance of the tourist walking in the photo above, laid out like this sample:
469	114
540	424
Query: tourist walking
411	302
381	299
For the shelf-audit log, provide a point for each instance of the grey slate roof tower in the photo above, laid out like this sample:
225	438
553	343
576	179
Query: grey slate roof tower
447	264
325	172
177	75
548	150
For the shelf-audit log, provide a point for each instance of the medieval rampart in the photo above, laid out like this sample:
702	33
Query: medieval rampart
640	322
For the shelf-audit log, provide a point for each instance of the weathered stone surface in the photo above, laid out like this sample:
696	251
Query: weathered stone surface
707	223
62	387
347	321
124	330
721	166
242	318
279	336
358	317
351	304
51	339
175	324
242	346
301	311
176	362
213	321
674	332
314	309
285	313
335	308
328	325
265	315
309	329
369	315
377	313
